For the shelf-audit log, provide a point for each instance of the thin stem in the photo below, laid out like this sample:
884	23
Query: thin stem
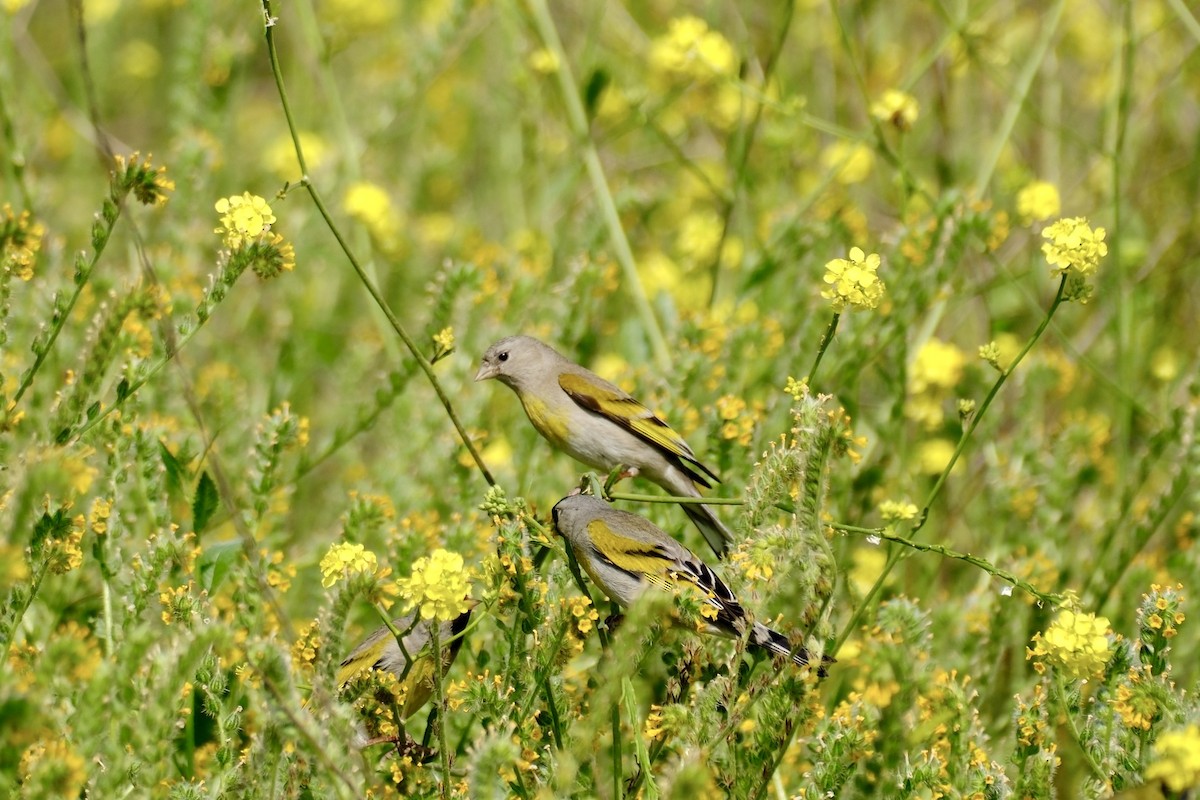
1066	712
826	338
1017	96
750	133
366	280
1127	355
668	498
987	402
894	555
439	699
577	120
983	564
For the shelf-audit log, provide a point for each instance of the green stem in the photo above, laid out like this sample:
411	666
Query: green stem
750	133
945	552
987	402
366	280
669	498
1017	96
577	120
1066	712
20	615
1127	356
439	699
101	234
894	555
826	339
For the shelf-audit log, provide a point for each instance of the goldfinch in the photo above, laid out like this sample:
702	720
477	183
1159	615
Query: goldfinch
379	651
625	554
597	423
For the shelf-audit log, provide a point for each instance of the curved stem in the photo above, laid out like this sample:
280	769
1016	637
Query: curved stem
366	280
577	120
894	555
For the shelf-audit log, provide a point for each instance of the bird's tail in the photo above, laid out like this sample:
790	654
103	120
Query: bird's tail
777	643
714	531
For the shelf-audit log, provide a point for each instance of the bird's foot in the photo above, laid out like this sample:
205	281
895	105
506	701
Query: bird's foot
619	473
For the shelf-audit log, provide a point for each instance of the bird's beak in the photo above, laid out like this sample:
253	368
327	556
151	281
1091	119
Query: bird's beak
486	371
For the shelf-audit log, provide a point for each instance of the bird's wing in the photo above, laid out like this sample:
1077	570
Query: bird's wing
670	567
601	397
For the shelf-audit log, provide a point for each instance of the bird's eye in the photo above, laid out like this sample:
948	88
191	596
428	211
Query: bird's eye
502	357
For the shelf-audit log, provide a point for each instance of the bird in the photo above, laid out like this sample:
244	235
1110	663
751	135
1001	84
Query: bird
379	651
625	554
601	425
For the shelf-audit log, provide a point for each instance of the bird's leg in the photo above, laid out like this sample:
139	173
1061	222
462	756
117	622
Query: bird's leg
619	473
612	621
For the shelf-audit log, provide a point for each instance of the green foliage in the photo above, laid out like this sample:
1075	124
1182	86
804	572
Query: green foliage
790	229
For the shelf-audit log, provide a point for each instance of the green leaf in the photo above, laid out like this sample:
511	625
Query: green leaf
204	503
122	390
596	84
177	474
214	563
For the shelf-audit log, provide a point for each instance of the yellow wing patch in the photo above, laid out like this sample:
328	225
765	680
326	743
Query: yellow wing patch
617	406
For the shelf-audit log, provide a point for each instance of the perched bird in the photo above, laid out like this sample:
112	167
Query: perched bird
625	554
599	424
379	651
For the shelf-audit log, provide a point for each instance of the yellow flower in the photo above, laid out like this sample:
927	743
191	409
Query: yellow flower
1074	245
20	241
850	161
345	559
52	768
370	204
690	49
439	584
897	108
148	183
1038	201
938	366
543	61
854	281
892	510
933	455
1177	759
244	219
1076	643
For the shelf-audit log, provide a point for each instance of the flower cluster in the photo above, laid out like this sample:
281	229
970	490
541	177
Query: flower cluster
1038	201
896	108
20	241
1159	616
1177	759
895	511
689	48
1076	643
1074	246
439	584
245	229
148	184
853	281
344	560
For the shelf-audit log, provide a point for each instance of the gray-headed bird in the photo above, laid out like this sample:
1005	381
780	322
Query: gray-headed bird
601	425
626	554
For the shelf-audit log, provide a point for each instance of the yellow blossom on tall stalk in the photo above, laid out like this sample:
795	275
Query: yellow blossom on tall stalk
439	584
1177	759
20	241
1076	643
854	281
1074	246
897	108
1038	201
345	559
244	219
